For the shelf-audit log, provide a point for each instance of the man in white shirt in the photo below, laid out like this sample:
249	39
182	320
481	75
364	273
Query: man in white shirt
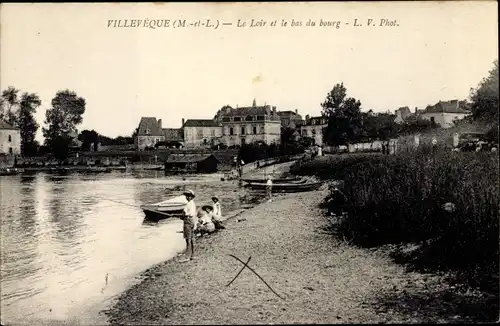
217	214
190	220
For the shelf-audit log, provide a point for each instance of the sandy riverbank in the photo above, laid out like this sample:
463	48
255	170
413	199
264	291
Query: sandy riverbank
321	279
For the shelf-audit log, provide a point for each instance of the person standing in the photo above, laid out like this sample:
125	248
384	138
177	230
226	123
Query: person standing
269	188
190	222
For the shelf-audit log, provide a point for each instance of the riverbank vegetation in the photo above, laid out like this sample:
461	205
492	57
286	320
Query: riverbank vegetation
447	203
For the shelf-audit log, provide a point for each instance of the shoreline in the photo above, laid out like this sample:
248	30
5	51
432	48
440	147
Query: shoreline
322	279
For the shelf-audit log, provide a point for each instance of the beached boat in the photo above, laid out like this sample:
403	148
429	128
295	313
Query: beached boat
284	180
172	207
287	187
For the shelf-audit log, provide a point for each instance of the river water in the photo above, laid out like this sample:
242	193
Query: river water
70	243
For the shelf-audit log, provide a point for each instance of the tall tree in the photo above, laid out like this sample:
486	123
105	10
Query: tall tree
27	123
61	120
11	102
344	116
485	97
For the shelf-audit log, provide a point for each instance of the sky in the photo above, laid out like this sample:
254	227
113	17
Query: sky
436	51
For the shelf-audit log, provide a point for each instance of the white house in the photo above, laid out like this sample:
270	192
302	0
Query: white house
446	113
10	139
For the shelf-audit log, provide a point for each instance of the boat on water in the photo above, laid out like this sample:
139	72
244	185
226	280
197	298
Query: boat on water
172	207
287	187
283	180
11	171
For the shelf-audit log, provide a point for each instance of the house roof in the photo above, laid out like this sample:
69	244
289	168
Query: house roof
149	123
290	114
200	123
5	125
453	106
172	134
188	158
249	110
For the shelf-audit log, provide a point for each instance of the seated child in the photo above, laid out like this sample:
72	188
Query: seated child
217	214
205	224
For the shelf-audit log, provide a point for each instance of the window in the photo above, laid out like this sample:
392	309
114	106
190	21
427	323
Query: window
314	131
10	150
260	117
237	119
231	131
433	120
243	141
204	141
249	118
213	133
255	130
226	119
242	130
147	131
10	138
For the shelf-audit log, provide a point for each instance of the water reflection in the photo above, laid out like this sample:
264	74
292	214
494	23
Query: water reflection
62	235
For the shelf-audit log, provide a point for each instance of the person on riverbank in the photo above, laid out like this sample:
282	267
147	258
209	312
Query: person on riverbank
190	222
206	226
269	188
217	214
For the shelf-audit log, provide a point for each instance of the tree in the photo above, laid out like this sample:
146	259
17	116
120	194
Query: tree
62	118
380	126
484	98
27	123
344	117
87	137
10	101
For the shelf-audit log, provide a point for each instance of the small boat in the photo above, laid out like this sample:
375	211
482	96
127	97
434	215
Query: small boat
284	180
9	172
169	208
287	187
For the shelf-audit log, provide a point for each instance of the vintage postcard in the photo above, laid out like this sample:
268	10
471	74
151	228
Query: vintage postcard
249	163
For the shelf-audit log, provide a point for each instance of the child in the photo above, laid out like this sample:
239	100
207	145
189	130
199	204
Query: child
269	188
190	221
206	225
217	214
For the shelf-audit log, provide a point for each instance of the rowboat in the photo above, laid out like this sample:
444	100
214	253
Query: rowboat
284	180
287	187
172	207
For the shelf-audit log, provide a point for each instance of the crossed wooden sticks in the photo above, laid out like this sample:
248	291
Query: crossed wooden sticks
245	265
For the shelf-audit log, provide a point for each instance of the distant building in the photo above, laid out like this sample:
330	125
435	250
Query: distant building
245	125
201	163
313	128
10	139
446	113
402	114
150	132
201	133
290	119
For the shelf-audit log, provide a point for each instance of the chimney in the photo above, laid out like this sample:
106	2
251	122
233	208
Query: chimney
182	122
159	124
274	110
296	111
416	110
307	118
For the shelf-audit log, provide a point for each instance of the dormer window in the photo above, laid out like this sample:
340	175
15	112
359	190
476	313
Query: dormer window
249	118
226	119
237	119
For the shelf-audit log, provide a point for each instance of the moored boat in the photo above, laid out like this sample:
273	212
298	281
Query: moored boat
287	187
283	180
172	207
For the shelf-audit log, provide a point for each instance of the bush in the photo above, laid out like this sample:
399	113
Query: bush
400	198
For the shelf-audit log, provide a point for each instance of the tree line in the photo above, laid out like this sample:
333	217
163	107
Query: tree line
61	120
348	124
